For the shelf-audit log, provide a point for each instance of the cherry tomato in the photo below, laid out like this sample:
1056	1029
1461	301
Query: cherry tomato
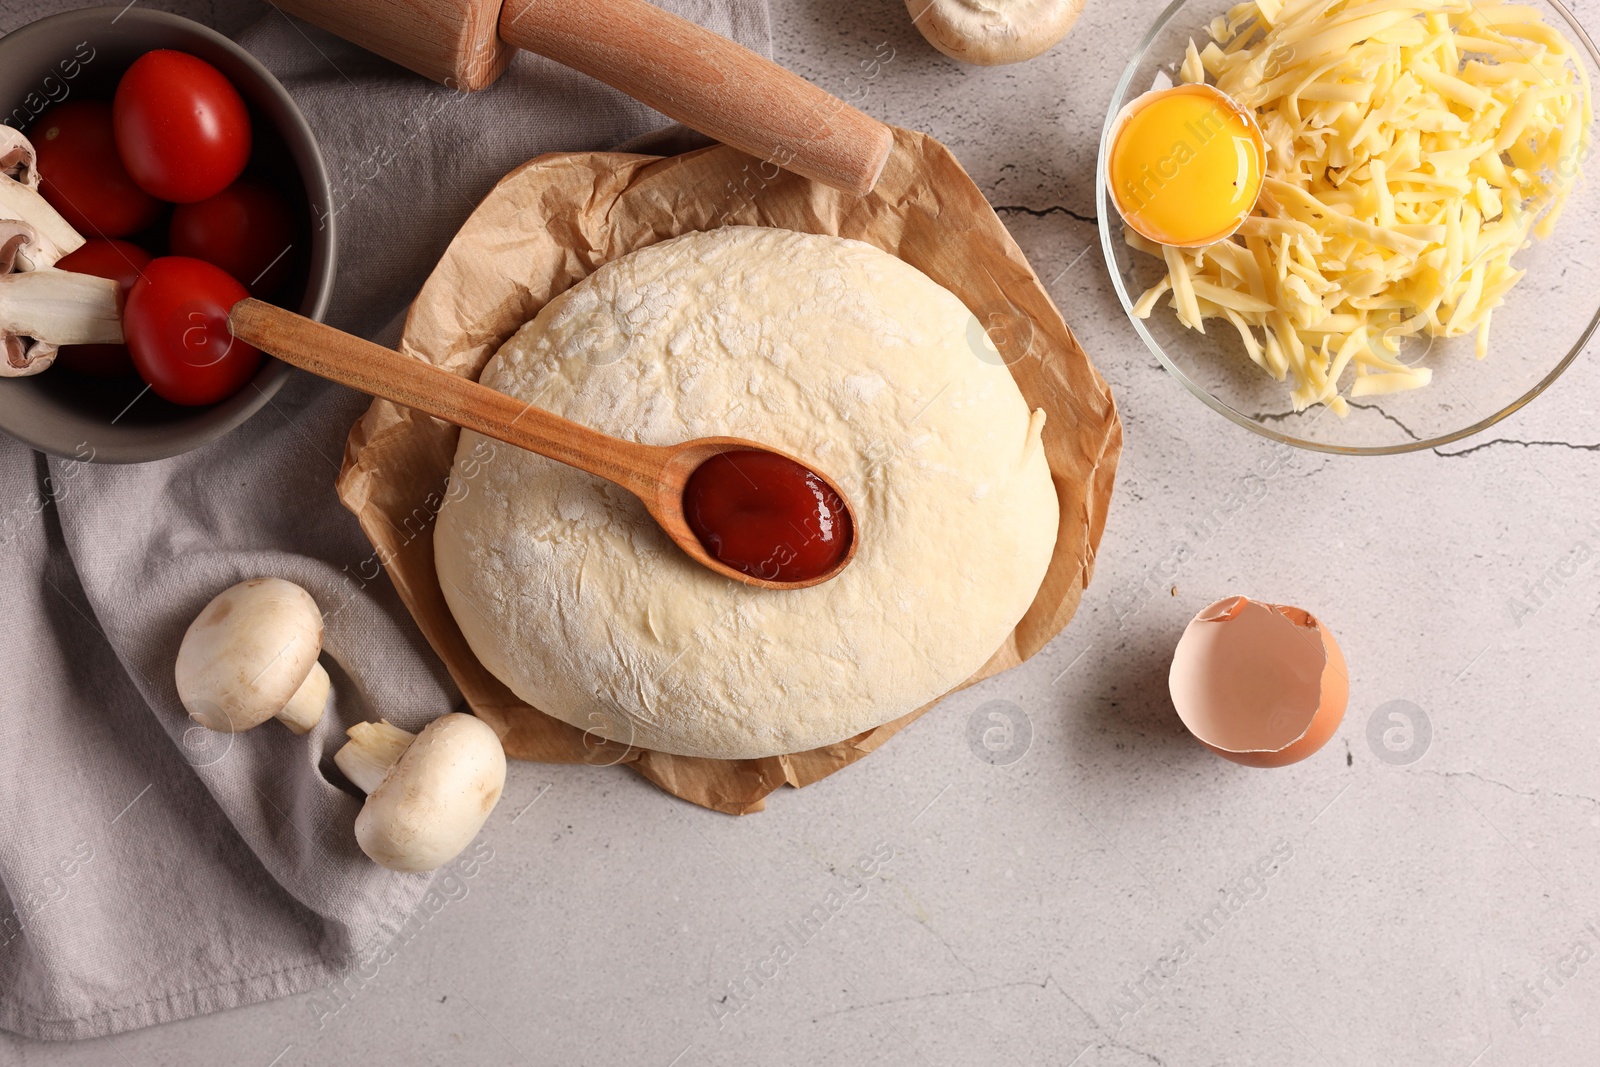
181	126
82	176
176	322
247	230
122	262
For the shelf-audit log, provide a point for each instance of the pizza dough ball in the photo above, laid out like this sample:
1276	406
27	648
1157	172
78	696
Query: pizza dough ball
824	347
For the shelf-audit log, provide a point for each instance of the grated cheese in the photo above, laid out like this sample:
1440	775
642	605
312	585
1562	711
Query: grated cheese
1412	149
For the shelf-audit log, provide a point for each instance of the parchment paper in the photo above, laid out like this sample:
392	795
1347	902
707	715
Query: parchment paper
553	221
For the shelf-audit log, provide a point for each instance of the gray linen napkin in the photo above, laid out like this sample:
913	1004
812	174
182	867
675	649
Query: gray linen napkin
150	870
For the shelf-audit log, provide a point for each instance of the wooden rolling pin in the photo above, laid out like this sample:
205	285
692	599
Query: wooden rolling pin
703	80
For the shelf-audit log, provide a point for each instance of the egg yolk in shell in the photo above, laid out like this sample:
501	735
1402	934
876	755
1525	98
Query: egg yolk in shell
1185	166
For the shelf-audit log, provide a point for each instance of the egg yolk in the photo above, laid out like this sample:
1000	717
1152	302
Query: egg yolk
1185	166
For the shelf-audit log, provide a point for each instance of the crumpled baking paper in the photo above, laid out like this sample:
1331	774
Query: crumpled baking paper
553	221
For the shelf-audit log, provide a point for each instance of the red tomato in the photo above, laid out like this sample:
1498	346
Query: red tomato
247	230
81	175
176	322
122	262
181	126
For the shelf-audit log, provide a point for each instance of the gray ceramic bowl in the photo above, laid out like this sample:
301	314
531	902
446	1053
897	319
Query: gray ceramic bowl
80	55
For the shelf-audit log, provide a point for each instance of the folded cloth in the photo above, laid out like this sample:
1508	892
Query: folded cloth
151	870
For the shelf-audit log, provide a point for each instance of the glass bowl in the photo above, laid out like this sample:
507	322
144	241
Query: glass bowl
1536	333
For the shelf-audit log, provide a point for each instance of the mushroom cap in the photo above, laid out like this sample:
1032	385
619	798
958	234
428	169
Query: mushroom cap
19	356
18	160
990	32
16	238
436	799
247	652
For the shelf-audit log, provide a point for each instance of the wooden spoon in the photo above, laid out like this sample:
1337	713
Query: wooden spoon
656	474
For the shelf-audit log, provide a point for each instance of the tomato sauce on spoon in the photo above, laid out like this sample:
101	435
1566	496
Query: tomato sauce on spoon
767	516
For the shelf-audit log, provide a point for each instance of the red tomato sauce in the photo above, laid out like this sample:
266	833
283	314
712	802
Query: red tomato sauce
767	516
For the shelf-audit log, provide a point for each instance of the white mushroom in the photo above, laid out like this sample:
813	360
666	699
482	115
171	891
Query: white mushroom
54	236
18	160
990	32
428	794
251	655
42	309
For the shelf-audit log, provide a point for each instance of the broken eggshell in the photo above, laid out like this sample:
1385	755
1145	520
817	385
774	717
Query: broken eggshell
1264	685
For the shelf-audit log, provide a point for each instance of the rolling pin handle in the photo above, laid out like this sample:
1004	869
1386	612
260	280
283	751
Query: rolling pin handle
708	83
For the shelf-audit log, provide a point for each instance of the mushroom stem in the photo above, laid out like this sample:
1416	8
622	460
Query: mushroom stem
60	307
304	709
372	751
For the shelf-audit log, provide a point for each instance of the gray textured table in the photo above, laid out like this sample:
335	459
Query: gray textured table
1043	903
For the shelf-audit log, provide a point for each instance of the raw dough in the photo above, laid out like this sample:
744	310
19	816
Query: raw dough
828	348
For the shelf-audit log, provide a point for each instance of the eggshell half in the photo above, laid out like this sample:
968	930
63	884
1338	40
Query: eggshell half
1264	685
